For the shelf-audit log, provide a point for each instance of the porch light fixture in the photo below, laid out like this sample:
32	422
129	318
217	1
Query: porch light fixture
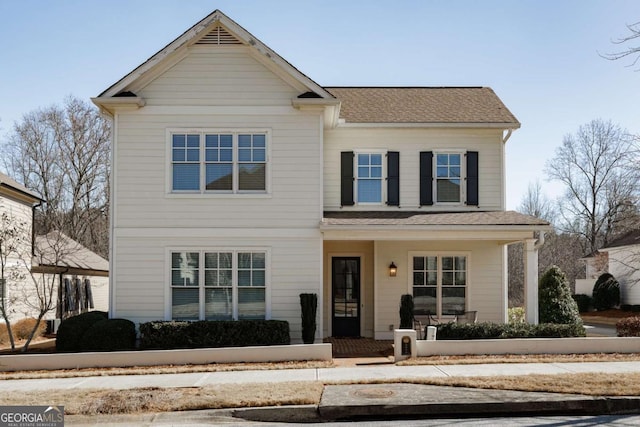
393	269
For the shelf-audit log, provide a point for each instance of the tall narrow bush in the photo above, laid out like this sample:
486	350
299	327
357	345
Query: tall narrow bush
309	307
406	311
554	299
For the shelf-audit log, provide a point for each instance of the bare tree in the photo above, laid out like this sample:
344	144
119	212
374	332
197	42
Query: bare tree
14	246
598	168
31	274
63	154
536	203
628	51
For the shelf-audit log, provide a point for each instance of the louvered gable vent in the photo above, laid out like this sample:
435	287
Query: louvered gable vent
219	36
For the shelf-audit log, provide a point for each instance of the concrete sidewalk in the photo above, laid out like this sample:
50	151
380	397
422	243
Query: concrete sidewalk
361	401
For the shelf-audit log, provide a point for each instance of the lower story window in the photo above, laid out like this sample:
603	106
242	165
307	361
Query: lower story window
439	284
224	285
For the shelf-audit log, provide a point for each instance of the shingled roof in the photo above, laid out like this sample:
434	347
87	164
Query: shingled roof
443	105
377	218
631	238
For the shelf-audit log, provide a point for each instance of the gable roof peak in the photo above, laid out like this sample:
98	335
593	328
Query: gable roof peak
215	28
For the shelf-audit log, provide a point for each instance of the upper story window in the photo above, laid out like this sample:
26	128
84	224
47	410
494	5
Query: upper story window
369	178
448	175
229	162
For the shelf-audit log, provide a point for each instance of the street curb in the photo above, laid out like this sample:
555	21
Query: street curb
601	406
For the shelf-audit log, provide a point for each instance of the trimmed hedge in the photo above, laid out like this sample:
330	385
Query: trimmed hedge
487	330
628	327
71	330
583	301
110	335
213	334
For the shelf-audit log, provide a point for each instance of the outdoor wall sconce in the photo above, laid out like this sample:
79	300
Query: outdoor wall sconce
393	270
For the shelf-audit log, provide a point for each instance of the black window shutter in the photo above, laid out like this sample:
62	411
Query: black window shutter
393	178
426	178
472	178
346	178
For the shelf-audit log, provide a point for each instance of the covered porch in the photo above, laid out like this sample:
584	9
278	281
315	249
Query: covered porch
450	262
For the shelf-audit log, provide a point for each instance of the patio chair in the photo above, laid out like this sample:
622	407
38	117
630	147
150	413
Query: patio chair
467	317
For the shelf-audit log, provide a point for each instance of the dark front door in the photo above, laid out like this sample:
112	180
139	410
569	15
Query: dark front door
345	294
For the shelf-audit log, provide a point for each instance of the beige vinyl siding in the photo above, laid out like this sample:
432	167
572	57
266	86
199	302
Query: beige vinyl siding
218	76
409	143
16	306
623	265
485	279
143	170
142	289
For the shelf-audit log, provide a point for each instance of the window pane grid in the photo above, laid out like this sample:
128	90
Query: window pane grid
231	282
369	178
439	284
219	162
448	177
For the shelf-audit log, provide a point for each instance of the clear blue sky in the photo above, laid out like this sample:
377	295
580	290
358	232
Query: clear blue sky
539	56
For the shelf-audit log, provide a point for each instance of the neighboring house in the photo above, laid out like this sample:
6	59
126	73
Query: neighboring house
56	261
620	258
239	183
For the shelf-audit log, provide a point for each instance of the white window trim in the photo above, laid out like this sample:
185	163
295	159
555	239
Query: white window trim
463	176
467	286
170	193
233	249
383	178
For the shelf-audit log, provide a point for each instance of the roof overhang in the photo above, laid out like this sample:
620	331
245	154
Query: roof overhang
502	126
111	105
329	107
501	227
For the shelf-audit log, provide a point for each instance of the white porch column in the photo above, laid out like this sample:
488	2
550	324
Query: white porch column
531	281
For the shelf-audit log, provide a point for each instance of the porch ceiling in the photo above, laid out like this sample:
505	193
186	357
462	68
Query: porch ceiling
502	226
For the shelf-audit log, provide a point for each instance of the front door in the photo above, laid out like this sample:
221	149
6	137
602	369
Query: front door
345	285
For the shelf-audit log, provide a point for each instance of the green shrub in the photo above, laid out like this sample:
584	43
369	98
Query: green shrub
71	330
516	315
23	328
213	334
625	307
635	308
164	334
476	331
583	301
406	311
628	327
606	292
110	335
554	299
308	308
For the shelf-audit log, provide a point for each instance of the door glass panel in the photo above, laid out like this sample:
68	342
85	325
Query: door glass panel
346	288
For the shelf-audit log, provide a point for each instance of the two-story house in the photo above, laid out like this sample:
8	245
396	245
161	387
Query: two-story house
239	183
